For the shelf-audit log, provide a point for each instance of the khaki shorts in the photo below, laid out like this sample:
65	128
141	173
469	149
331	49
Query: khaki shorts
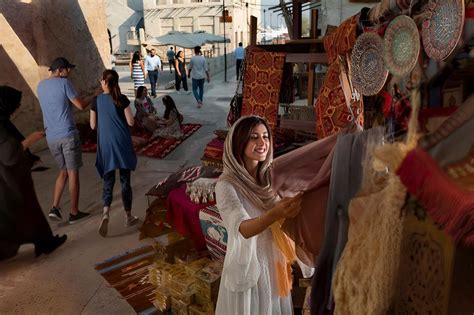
67	152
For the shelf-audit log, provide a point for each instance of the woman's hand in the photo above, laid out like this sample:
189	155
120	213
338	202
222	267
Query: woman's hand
288	207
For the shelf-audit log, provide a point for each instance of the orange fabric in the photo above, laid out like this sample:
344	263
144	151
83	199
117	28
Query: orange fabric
283	268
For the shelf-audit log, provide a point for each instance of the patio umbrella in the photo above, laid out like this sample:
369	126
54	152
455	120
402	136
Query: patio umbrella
207	38
175	38
187	40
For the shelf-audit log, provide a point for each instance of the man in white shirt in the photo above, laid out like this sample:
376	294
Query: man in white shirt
239	54
153	65
198	71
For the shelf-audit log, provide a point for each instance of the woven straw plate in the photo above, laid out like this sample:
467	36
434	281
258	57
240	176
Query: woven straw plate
401	46
442	31
369	72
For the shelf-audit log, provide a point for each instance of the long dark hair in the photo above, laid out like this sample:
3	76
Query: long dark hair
111	77
179	54
242	134
136	57
140	91
170	106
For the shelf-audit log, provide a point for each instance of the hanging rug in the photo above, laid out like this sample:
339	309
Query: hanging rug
442	30
401	46
369	72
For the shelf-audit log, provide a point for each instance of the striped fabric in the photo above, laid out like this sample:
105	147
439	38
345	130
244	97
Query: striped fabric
137	75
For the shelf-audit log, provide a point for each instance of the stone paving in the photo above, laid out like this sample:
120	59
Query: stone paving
65	282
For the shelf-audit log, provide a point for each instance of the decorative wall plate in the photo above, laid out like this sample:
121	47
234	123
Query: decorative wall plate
369	72
442	30
401	46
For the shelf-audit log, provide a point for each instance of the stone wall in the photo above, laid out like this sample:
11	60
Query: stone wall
334	12
36	32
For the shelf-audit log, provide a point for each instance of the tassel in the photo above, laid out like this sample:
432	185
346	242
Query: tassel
446	202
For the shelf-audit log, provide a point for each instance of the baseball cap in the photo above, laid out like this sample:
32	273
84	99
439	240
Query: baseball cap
60	63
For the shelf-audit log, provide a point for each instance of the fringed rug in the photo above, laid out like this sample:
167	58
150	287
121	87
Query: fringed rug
128	274
157	148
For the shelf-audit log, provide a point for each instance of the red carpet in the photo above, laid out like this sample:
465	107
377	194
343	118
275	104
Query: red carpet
158	148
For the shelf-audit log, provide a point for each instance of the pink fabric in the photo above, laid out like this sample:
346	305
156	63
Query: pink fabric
183	215
307	169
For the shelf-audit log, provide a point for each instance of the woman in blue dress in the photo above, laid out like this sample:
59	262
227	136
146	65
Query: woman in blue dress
111	115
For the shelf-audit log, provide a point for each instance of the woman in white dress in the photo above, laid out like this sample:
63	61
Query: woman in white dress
256	278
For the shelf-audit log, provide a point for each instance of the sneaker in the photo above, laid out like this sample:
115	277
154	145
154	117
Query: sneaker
103	227
199	104
187	92
131	220
55	214
179	92
73	218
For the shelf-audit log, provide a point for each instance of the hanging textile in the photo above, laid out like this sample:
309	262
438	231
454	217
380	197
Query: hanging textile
262	84
448	203
332	110
346	178
365	279
308	170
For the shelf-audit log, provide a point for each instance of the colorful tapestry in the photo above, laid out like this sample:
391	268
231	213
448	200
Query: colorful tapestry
332	112
157	148
262	83
342	40
214	232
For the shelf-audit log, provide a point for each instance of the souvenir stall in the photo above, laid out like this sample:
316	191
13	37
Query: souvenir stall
384	157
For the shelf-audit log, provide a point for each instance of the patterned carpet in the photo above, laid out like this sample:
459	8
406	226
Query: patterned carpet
157	148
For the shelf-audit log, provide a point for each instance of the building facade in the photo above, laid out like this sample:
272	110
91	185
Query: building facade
122	17
162	16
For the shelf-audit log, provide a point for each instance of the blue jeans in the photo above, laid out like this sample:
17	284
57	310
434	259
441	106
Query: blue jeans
198	84
109	181
153	76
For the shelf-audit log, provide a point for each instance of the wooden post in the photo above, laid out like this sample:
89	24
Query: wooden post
311	66
253	30
296	19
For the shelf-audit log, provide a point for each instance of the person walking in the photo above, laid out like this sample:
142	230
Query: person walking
171	56
153	66
56	94
111	114
239	54
198	71
21	218
137	71
180	72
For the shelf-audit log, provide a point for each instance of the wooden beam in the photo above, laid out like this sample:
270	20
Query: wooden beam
253	30
320	58
311	65
296	19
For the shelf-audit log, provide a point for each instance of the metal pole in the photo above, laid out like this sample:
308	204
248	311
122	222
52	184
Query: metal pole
225	42
264	26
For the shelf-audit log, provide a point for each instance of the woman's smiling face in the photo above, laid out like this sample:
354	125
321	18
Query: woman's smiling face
258	144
